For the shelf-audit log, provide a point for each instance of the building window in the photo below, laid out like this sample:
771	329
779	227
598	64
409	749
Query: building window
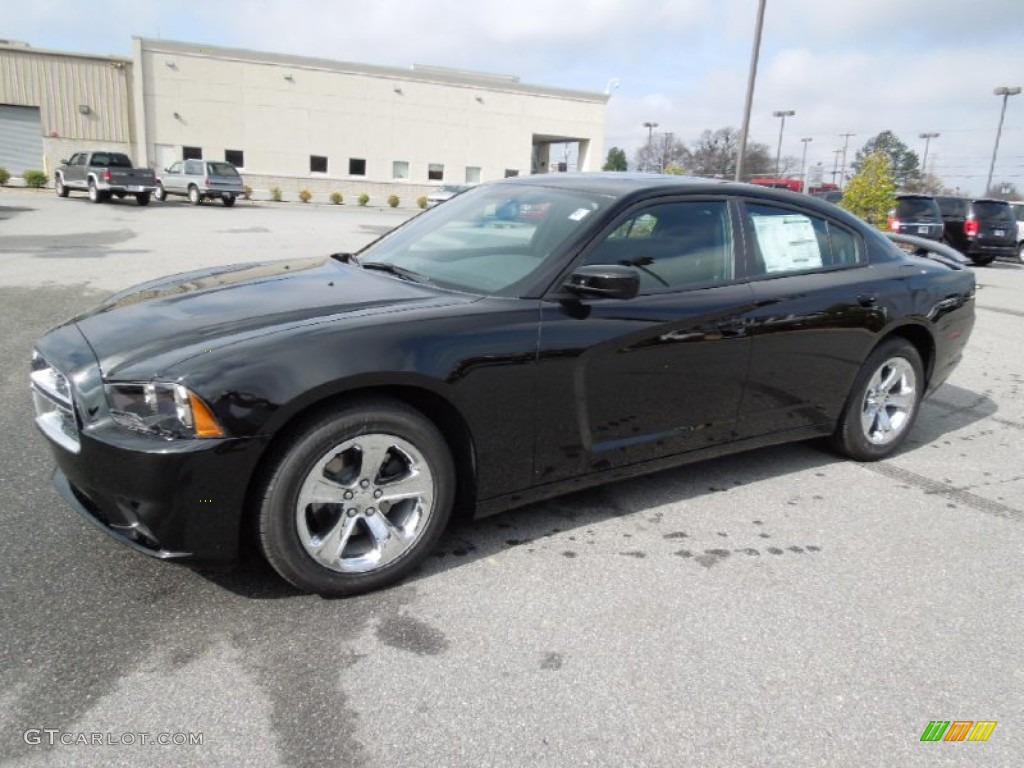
472	174
510	172
235	156
317	164
191	153
356	167
400	169
435	172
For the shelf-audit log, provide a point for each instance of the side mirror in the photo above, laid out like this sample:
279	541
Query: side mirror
606	281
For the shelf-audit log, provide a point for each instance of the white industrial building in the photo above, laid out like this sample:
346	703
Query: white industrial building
290	121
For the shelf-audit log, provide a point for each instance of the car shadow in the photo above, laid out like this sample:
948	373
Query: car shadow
574	515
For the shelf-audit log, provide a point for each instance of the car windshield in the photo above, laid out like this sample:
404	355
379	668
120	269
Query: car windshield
222	169
994	212
487	240
918	208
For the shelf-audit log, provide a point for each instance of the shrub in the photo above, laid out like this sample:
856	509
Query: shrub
276	194
247	192
871	193
5	176
35	179
364	198
305	195
336	198
393	201
421	201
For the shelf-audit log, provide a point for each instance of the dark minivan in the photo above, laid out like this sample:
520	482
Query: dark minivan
979	229
916	215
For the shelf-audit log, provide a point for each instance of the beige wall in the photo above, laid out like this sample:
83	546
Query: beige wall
280	110
57	83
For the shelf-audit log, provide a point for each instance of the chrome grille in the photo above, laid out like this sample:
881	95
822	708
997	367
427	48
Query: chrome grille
55	409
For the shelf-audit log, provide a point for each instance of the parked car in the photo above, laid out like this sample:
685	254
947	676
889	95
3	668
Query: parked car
1018	212
917	215
980	229
200	180
104	174
344	408
447	192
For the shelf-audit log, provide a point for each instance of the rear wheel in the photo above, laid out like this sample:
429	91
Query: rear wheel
883	403
160	193
982	261
356	498
1020	252
62	191
228	200
94	194
193	195
142	198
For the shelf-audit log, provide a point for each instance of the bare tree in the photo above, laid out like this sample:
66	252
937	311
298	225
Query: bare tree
664	151
715	152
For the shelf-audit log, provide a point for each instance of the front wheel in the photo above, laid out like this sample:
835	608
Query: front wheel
160	193
62	191
1020	253
228	200
883	403
356	498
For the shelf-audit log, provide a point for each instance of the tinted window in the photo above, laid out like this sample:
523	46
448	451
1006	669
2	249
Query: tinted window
317	164
235	156
917	209
191	153
993	211
786	240
1019	210
673	245
223	169
193	168
952	206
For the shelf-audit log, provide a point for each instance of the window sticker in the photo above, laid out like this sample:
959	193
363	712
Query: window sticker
788	243
579	214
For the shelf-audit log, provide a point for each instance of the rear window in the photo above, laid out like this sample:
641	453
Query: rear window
993	211
952	206
222	169
917	208
114	160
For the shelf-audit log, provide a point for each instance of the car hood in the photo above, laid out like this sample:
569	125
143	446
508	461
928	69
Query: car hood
180	316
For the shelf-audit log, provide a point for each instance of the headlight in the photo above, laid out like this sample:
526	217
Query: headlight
165	410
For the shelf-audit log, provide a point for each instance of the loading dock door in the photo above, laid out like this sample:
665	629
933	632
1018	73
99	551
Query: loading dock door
21	139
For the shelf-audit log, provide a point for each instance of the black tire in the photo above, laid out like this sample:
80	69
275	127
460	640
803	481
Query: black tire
95	196
160	193
193	195
58	185
142	198
293	535
982	261
866	402
228	200
1020	252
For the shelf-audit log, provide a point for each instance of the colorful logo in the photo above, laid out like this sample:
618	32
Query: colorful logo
958	730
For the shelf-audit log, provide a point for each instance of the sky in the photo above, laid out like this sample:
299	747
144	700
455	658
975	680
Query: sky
844	66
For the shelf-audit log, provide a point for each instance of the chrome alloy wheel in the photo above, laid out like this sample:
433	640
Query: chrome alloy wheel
365	503
889	401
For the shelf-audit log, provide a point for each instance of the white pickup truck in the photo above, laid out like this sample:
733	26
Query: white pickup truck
103	174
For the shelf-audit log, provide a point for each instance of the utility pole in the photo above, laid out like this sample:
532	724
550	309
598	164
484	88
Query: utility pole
835	164
1006	93
803	165
846	143
927	138
650	135
783	113
751	78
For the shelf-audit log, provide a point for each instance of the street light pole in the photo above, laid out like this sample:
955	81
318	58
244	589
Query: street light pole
803	165
745	129
783	113
650	134
1006	93
927	139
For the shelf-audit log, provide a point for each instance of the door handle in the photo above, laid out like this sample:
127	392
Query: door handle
868	299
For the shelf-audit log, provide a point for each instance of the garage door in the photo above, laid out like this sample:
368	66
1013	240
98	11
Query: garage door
21	139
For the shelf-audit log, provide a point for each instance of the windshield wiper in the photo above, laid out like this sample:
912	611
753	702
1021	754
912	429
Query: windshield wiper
394	269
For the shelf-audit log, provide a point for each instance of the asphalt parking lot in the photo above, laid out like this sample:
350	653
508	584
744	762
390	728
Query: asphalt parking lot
779	608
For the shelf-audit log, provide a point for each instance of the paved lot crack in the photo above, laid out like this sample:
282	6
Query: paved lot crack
934	487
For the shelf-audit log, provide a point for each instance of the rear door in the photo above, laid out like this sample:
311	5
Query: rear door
172	178
627	381
818	308
996	222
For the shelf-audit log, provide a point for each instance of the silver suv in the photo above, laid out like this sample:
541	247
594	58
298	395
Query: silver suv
200	180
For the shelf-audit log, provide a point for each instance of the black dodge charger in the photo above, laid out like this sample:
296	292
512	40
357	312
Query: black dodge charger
527	338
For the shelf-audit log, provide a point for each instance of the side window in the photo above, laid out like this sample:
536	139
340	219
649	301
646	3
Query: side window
786	240
79	159
193	168
175	167
672	245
